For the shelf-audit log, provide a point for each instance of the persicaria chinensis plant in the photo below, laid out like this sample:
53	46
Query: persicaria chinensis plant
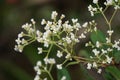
64	35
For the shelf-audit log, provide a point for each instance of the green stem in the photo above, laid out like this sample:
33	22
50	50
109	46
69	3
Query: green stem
50	67
104	16
51	78
81	59
49	50
112	16
105	8
64	61
61	48
29	42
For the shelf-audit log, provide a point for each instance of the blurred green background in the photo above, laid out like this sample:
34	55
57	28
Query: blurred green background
15	13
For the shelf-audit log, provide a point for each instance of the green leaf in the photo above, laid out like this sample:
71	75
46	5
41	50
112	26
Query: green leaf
115	72
85	53
117	56
32	53
85	73
15	71
63	72
98	36
108	76
71	63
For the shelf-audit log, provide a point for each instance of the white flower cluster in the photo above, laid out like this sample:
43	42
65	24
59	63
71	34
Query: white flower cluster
59	54
115	3
92	10
59	66
65	35
98	9
102	55
58	33
39	68
102	50
95	1
42	68
116	45
21	41
63	78
49	60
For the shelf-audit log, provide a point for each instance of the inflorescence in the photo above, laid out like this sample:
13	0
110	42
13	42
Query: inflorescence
65	35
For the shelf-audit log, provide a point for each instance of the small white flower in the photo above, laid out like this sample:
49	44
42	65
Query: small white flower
20	35
104	51
116	45
98	44
108	2
72	36
95	51
46	60
78	26
37	77
85	24
82	36
89	65
104	62
95	29
46	44
36	68
99	71
68	40
39	63
91	57
59	54
95	1
74	20
40	50
25	26
109	59
59	66
39	34
62	16
108	40
67	27
45	79
59	23
63	78
109	49
33	21
18	41
110	32
31	30
87	44
54	15
24	41
43	22
92	10
117	7
51	61
18	48
94	64
68	56
38	71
